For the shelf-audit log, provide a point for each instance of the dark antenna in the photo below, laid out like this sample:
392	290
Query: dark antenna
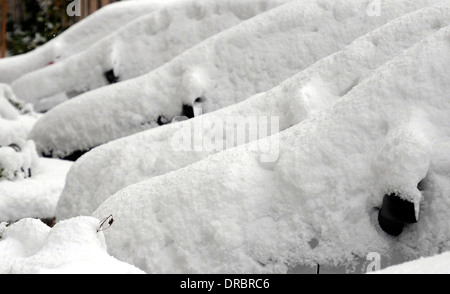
109	219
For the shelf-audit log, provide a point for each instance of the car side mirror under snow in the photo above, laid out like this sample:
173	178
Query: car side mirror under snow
194	109
395	213
111	76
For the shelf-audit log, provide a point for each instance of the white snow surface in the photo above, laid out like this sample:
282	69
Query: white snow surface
77	38
36	196
438	264
15	124
7	110
231	213
108	168
18	164
139	47
71	247
12	131
249	58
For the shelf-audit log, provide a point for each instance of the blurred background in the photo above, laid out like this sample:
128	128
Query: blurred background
27	24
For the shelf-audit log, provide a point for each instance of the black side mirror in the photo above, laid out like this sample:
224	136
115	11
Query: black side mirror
111	77
395	213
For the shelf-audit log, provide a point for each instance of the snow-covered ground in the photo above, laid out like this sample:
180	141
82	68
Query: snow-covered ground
247	59
113	166
138	48
233	213
439	264
35	196
74	246
77	38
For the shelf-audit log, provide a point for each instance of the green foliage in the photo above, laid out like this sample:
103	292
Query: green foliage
1	173
41	21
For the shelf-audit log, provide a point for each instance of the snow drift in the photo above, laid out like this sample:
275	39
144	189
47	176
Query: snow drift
16	118
113	166
231	66
77	38
36	196
71	247
139	47
17	161
231	213
7	109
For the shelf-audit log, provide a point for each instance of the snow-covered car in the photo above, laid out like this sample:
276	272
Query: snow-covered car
249	58
137	48
77	38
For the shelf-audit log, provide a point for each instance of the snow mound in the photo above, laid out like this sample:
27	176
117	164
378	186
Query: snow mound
230	213
71	247
7	110
36	196
439	264
17	161
249	58
16	118
77	38
113	166
139	47
13	131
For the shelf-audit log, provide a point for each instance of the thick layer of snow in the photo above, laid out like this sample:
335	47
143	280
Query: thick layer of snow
439	264
233	213
18	161
113	166
71	247
249	58
77	38
139	47
7	110
15	124
12	131
36	196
